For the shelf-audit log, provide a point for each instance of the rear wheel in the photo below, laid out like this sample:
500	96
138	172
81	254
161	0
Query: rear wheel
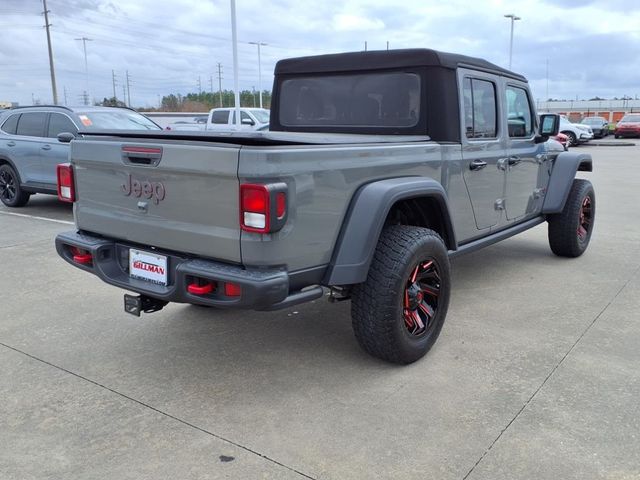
570	230
398	312
11	194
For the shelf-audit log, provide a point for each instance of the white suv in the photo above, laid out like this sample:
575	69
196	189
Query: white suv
576	132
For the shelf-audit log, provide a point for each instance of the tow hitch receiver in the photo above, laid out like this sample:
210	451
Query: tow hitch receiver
134	304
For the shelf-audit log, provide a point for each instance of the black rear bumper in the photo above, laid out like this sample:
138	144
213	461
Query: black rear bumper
261	289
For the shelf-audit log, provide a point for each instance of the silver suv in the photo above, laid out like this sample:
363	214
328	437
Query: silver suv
30	148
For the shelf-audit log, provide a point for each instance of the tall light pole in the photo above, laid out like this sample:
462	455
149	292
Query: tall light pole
84	41
259	69
513	18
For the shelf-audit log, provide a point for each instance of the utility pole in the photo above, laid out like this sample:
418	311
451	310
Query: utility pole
84	41
220	81
51	69
513	18
124	94
387	44
365	45
259	69
547	80
211	85
199	86
128	90
113	81
65	95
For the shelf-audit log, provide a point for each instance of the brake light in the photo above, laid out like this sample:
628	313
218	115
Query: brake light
66	184
263	208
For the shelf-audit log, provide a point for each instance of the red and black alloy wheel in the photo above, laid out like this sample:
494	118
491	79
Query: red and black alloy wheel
586	218
421	297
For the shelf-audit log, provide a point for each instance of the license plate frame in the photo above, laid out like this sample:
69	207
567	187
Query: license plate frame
148	266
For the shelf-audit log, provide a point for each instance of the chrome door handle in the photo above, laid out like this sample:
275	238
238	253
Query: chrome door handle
477	165
514	160
46	147
11	144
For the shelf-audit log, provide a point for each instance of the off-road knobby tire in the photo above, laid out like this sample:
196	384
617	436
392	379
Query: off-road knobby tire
563	226
20	197
377	303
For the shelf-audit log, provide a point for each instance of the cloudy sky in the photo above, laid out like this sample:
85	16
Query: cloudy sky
592	47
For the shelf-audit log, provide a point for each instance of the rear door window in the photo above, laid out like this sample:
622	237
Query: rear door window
220	117
11	124
480	108
59	123
32	124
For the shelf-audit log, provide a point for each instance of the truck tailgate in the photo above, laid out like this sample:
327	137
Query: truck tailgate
164	194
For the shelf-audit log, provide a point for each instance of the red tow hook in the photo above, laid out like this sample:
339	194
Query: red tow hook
81	256
197	289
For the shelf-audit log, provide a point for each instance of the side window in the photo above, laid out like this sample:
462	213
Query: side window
59	123
31	124
220	117
519	115
243	116
480	116
11	124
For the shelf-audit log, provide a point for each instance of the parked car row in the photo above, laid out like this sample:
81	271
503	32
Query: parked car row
628	126
33	140
224	119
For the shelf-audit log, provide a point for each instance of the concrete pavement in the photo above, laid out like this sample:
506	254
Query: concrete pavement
535	374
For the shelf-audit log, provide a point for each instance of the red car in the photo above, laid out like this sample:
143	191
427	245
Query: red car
629	126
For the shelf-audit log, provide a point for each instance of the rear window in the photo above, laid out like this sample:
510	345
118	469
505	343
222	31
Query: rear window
31	124
220	117
385	99
10	124
631	118
115	120
59	123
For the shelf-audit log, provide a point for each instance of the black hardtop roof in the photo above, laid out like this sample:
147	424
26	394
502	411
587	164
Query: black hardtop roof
387	59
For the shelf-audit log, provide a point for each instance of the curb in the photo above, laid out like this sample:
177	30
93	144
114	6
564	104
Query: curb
610	144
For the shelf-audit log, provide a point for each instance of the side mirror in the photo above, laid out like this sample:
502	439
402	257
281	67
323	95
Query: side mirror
65	137
248	121
549	124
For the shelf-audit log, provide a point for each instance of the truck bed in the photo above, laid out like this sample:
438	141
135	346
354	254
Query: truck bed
259	138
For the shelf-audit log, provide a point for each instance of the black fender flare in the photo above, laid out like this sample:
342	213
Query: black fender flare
365	219
564	171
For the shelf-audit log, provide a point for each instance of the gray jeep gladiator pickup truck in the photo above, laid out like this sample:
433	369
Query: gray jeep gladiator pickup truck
379	167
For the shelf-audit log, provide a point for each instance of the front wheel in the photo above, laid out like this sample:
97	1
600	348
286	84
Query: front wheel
572	139
11	194
398	312
570	230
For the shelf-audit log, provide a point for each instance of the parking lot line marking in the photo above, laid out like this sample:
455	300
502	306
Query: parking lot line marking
553	370
35	217
157	410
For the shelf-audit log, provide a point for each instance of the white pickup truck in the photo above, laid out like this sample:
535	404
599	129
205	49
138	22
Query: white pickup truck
224	119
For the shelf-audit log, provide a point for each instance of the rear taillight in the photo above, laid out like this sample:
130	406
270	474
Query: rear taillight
263	207
66	184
